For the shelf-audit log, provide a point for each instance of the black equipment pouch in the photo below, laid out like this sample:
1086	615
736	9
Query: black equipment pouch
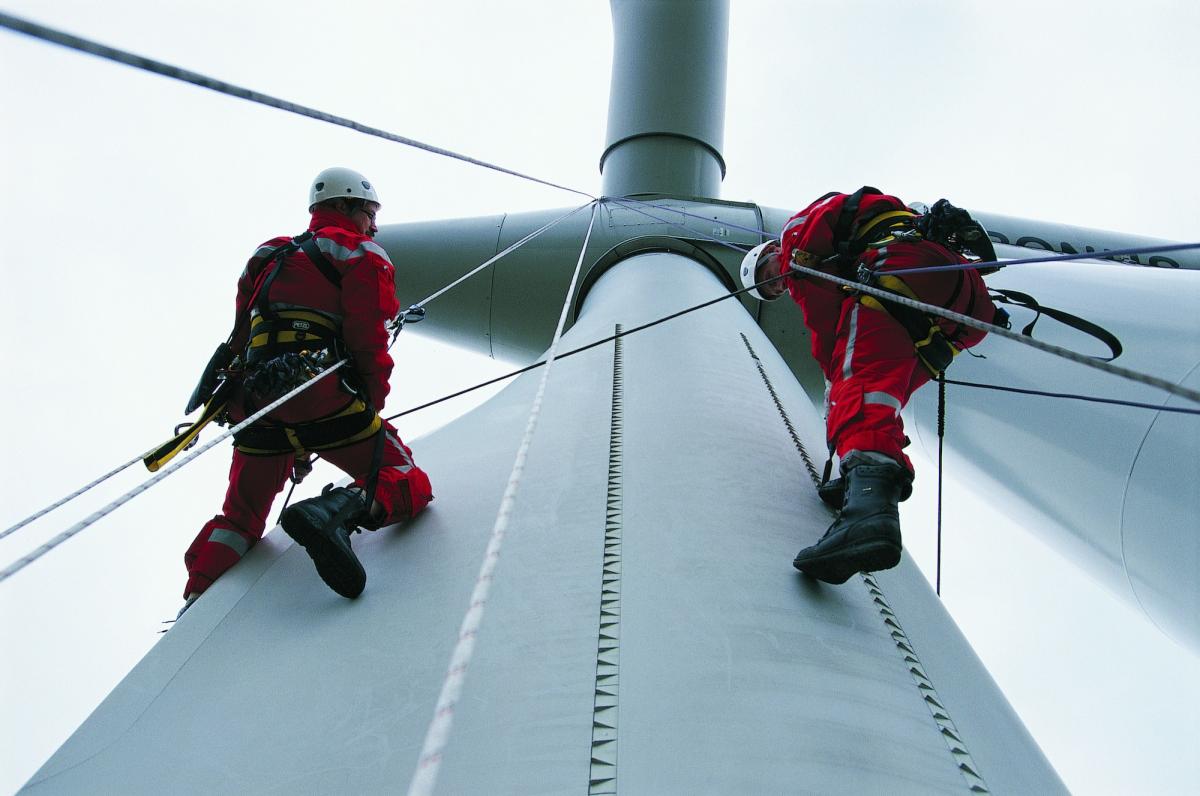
269	380
223	357
935	352
954	228
212	376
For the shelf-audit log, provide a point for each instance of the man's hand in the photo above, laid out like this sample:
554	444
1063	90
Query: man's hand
806	260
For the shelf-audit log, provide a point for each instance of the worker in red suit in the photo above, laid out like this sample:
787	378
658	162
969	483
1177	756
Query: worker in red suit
303	304
874	354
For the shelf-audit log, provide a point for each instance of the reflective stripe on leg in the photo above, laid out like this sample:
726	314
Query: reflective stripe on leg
848	357
883	399
231	539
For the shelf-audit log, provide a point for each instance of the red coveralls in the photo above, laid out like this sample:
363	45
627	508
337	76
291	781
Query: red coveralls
365	301
867	356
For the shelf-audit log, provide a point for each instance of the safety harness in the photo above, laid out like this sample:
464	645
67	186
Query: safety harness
278	331
953	228
944	224
286	347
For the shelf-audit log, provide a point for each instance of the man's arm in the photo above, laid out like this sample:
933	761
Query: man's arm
369	302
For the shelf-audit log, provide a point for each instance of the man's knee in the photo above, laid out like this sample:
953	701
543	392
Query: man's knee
219	545
403	495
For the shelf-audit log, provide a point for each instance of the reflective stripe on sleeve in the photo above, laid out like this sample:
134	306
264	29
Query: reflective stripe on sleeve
342	253
795	222
374	247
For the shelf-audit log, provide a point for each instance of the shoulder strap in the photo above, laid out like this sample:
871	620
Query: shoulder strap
1074	321
842	238
262	299
310	248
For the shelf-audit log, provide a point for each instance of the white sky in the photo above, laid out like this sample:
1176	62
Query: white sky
131	203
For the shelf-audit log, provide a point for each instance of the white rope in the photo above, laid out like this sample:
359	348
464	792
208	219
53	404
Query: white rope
966	320
425	777
69	497
25	561
423	302
507	251
991	328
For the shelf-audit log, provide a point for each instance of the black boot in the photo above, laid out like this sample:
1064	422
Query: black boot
322	525
866	537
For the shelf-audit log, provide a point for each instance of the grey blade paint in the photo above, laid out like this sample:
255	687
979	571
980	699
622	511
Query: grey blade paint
736	674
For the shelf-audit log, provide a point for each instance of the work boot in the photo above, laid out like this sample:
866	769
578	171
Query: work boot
866	536
322	526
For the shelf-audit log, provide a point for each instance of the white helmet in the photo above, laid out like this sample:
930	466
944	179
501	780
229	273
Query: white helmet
750	263
337	182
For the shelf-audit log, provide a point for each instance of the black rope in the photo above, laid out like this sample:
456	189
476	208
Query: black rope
287	500
1075	397
583	348
941	432
709	303
70	41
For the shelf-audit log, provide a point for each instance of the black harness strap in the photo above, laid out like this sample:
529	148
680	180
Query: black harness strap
261	298
224	355
1020	299
352	423
843	238
323	265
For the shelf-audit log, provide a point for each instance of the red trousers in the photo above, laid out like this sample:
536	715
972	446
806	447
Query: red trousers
867	356
873	372
254	481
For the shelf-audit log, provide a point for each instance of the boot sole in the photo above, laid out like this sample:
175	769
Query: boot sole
838	566
344	574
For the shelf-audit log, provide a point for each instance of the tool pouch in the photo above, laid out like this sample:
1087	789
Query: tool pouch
270	380
221	359
935	351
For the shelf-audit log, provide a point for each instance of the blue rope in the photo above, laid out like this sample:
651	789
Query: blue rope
1100	255
1052	258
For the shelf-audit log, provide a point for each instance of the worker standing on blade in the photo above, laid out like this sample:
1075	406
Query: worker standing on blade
303	304
874	354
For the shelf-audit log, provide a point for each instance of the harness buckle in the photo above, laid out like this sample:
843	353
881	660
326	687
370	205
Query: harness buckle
906	234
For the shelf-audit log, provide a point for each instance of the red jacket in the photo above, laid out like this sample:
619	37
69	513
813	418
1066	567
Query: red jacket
363	304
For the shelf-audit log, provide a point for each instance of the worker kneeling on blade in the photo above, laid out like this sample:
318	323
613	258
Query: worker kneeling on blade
874	352
303	304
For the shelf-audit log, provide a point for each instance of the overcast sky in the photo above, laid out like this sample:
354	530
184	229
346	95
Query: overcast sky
131	203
